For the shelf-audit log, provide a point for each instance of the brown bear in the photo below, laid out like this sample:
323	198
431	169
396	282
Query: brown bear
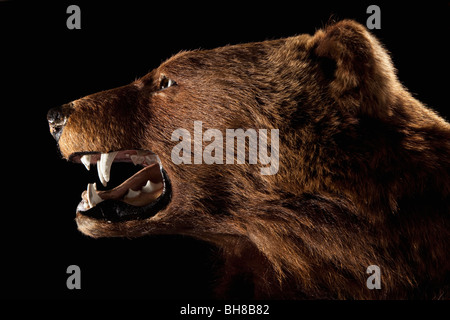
357	206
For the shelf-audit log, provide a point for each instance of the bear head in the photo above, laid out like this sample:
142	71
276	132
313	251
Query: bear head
356	154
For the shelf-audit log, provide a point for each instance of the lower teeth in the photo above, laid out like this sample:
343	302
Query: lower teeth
147	190
91	197
143	198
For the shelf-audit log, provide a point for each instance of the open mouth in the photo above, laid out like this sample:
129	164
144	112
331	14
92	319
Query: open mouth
140	196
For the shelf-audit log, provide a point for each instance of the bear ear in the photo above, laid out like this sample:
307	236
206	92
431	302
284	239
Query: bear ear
364	76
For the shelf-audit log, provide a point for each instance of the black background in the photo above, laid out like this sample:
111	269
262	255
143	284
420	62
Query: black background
43	64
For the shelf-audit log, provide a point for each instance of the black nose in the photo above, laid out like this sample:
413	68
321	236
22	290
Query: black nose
57	119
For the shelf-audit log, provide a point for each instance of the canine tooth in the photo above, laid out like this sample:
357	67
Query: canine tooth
132	194
151	186
86	160
104	166
92	196
100	174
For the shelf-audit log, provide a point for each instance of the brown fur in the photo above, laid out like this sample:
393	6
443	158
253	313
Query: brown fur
363	176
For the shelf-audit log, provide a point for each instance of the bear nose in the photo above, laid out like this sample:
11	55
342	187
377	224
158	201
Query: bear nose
57	119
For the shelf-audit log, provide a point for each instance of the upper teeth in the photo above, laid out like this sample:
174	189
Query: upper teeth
141	159
104	166
86	160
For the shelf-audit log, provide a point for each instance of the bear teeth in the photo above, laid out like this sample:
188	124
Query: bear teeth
147	190
104	166
132	194
151	186
92	197
86	160
141	158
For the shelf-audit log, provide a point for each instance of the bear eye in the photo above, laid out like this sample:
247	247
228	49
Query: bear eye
166	83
